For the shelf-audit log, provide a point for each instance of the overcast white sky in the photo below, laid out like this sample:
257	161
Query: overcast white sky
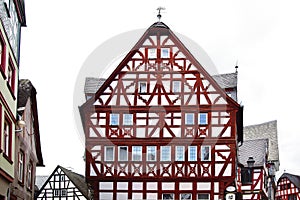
263	35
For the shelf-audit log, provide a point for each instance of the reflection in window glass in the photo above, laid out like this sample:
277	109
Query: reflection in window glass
179	153
137	153
142	87
165	153
114	119
123	153
176	86
185	196
165	52
109	154
167	196
202	118
127	119
192	153
203	197
151	153
205	153
189	118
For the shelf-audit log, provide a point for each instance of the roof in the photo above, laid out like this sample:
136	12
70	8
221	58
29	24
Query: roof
226	80
27	91
295	179
257	149
92	85
262	131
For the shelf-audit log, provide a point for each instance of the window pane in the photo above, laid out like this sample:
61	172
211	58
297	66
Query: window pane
123	153
192	153
185	196
151	153
109	153
114	119
167	196
179	153
142	87
165	153
205	153
202	118
176	86
152	53
189	118
137	153
165	52
127	119
203	197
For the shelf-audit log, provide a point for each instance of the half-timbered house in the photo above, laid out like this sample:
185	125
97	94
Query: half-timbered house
64	184
160	126
288	187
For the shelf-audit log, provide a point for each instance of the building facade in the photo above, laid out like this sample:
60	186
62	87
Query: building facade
160	126
28	154
288	187
12	17
64	184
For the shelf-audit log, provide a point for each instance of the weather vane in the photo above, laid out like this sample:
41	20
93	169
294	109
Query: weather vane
159	9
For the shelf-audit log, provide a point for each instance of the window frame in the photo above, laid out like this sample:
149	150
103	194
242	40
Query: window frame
114	121
7	149
208	196
137	154
204	156
2	56
29	175
121	154
200	115
142	87
192	154
11	76
165	153
187	118
162	55
106	154
21	166
149	151
152	55
126	121
176	88
178	152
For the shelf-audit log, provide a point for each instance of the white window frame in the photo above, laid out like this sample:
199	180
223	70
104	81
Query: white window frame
200	117
120	153
165	153
152	53
128	119
165	52
180	153
176	86
191	155
187	118
150	151
143	87
137	153
106	153
205	155
114	119
21	166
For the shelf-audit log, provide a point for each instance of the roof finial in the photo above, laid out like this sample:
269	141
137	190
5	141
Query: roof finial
236	66
159	15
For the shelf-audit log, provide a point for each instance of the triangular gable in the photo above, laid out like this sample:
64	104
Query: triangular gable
75	183
121	88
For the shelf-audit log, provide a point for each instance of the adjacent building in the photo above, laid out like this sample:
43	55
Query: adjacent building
12	18
64	184
160	126
288	187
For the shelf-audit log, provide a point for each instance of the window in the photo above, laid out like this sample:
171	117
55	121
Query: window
165	153
11	75
165	53
29	175
137	153
246	175
202	119
151	153
152	53
168	196
142	87
205	153
7	138
176	86
203	197
64	192
109	154
114	119
292	197
123	153
2	55
21	166
179	153
192	153
185	196
56	192
189	118
127	119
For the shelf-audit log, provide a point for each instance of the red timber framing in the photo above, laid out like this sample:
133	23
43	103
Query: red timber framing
288	187
160	126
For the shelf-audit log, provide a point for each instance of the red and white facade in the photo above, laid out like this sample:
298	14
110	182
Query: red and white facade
288	187
160	127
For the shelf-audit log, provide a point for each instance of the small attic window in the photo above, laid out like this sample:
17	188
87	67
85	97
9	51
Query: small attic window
142	87
152	53
165	53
